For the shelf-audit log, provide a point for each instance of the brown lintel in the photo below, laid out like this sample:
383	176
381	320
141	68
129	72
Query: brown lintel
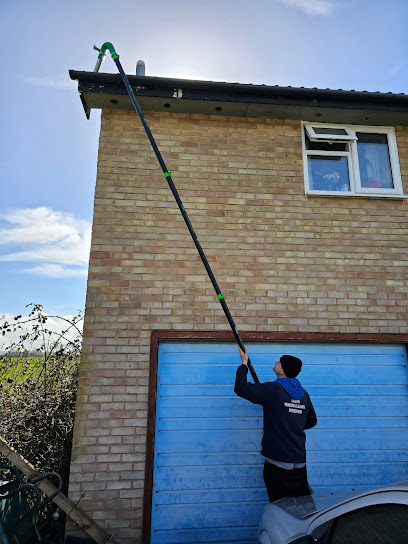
226	336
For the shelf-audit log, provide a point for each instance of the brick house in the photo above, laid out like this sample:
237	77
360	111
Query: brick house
298	199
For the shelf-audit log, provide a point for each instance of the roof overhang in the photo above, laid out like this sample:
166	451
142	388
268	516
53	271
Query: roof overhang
98	90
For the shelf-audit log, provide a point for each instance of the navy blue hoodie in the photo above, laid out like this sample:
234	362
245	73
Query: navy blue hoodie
285	416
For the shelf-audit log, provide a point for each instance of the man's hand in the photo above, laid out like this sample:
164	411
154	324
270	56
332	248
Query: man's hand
244	356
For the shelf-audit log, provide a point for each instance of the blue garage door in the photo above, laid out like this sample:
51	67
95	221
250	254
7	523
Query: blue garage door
207	482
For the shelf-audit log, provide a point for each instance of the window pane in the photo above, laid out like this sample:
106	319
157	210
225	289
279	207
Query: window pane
374	161
328	173
326	146
382	524
323	130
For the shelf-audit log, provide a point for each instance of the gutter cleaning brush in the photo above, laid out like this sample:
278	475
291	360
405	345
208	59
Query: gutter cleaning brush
102	52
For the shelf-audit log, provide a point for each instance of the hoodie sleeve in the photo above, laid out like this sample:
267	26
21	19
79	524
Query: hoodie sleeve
254	392
311	419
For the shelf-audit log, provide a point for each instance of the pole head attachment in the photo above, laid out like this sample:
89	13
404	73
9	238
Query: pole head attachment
102	53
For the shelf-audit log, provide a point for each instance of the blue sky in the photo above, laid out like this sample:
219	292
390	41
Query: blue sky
49	150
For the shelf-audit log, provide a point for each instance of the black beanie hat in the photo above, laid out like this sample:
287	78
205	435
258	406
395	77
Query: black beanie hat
291	366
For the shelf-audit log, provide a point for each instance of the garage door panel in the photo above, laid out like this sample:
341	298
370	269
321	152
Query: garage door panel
213	401
207	484
245	458
205	472
360	456
186	516
347	421
354	359
237	535
251	410
354	376
189	404
367	422
202	441
385	411
210	424
191	373
265	361
364	401
193	411
370	390
179	374
338	471
195	390
348	481
207	496
313	389
276	349
365	468
194	459
215	484
347	444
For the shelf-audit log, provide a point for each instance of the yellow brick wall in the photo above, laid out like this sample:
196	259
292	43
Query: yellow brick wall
285	262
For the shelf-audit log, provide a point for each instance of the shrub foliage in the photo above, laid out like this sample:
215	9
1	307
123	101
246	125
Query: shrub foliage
38	388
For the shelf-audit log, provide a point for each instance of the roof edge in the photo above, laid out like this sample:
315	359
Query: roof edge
174	95
156	82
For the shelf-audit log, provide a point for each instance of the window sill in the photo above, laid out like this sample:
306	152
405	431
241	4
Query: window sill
340	194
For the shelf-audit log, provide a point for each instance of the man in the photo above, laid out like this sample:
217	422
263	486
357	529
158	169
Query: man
288	411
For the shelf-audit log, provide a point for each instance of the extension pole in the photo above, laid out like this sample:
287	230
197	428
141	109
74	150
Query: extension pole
167	175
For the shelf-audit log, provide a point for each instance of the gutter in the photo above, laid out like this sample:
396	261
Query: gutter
99	90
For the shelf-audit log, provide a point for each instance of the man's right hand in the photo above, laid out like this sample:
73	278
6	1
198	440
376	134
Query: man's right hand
243	355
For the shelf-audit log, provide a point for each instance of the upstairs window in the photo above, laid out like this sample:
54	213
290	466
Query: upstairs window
350	161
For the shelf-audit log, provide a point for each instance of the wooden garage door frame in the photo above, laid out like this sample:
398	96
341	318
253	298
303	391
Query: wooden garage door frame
158	336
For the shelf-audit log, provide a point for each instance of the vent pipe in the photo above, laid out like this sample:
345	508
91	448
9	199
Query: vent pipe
140	68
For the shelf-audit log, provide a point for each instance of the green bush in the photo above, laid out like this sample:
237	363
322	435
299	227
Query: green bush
38	389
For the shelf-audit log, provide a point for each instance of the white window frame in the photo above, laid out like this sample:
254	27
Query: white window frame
356	190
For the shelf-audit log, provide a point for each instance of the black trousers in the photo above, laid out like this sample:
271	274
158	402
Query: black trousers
281	483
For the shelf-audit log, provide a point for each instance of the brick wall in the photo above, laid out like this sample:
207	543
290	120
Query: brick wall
285	262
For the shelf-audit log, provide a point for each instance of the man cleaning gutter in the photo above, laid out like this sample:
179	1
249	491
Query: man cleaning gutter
288	411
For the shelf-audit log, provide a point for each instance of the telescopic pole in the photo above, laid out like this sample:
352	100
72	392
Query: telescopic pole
167	175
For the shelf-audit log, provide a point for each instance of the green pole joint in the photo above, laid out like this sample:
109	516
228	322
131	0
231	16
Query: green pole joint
105	46
167	174
220	297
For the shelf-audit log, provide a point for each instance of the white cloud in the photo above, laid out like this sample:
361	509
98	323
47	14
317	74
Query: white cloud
58	240
56	271
58	82
312	7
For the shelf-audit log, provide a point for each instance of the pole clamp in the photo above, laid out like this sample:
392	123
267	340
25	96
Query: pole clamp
167	174
220	297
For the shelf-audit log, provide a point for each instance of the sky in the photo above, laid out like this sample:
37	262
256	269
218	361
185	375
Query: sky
48	150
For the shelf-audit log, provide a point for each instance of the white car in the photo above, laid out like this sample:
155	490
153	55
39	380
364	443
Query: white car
377	516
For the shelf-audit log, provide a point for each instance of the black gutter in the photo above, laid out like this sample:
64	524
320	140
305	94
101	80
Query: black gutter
215	90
